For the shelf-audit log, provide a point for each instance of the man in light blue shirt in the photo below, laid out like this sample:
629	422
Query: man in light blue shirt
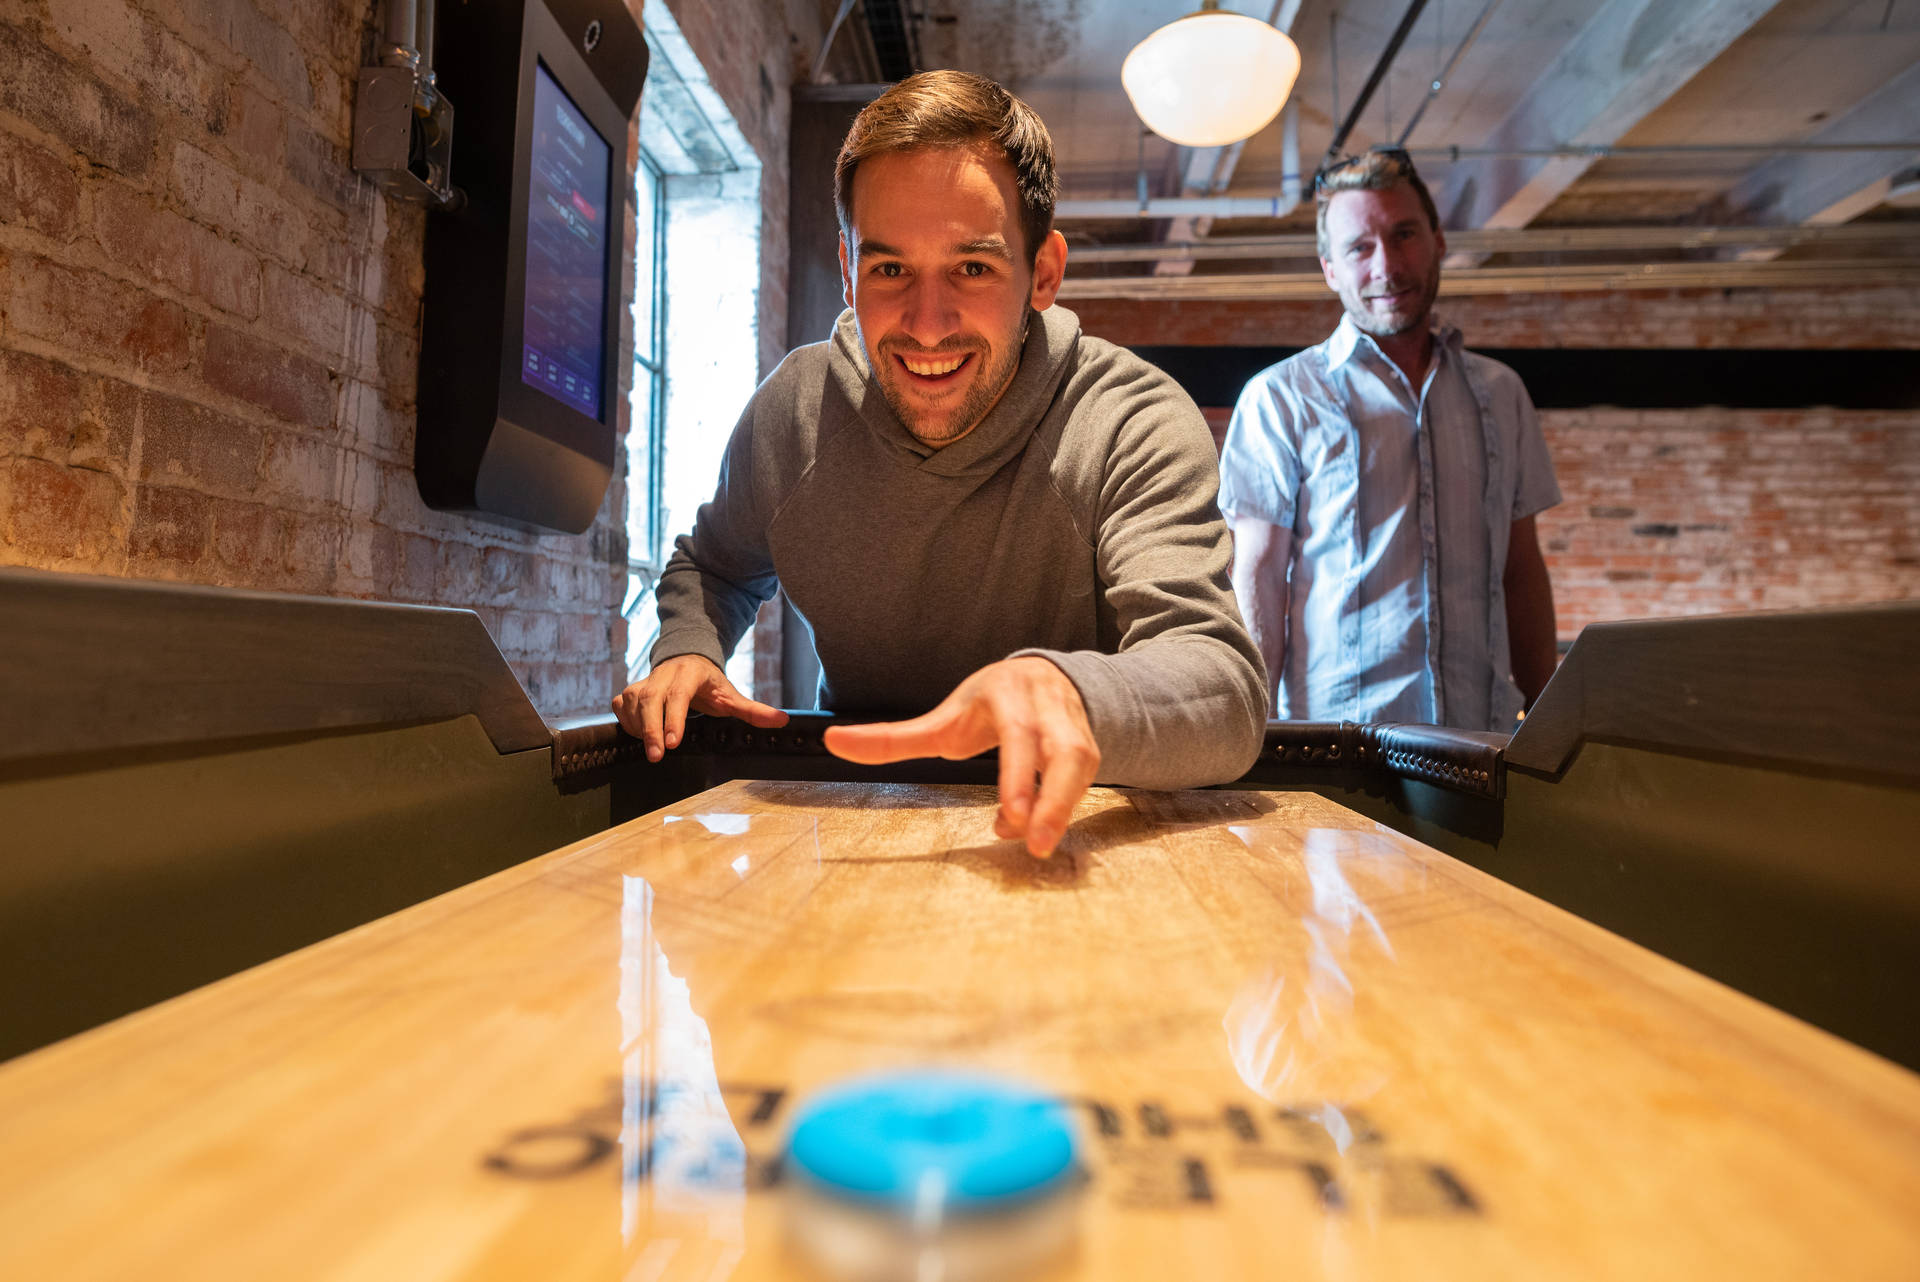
1382	488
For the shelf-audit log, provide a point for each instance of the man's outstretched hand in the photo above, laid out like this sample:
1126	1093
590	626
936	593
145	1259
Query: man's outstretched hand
1029	710
654	710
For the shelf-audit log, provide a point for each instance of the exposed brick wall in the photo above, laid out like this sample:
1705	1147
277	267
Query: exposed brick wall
1670	512
209	331
1813	318
1710	510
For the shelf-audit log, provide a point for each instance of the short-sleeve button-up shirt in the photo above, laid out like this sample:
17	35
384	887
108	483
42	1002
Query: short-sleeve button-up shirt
1400	501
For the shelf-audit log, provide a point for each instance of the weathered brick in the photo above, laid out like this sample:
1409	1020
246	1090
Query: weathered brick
100	123
1884	316
271	48
39	401
371	559
303	309
37	189
121	40
360	484
294	387
536	579
168	249
534	632
330	98
244	35
170	529
460	573
403	274
256	128
87	312
183	444
419	560
104	430
501	570
221	196
374	423
302	470
584	635
63	513
399	357
1765	508
249	540
314	546
321	165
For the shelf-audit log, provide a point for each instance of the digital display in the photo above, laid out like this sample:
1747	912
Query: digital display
566	252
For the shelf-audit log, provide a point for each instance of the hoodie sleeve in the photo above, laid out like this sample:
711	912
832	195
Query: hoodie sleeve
1183	702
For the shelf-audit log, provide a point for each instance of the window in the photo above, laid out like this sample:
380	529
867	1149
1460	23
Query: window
695	318
647	549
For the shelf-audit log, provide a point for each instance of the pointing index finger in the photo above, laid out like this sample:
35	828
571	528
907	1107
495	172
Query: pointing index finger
884	741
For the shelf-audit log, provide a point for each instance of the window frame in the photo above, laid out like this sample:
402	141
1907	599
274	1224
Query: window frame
650	366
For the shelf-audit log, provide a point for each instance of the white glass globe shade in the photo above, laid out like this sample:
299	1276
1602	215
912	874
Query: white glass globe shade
1210	78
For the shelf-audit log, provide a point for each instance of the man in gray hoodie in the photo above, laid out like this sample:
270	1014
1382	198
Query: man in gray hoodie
978	510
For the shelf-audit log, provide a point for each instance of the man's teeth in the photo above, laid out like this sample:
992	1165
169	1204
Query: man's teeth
932	368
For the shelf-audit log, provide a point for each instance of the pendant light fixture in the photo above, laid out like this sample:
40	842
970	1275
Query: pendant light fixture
1210	78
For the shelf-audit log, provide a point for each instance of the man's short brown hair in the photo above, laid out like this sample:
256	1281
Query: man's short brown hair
954	109
1376	169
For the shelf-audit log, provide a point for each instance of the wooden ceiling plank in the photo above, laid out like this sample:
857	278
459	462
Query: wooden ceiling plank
1631	57
1826	188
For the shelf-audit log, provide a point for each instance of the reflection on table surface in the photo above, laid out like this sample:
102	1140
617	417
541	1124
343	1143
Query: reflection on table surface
1297	1044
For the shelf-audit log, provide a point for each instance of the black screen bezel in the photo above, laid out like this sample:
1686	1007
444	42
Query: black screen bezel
543	43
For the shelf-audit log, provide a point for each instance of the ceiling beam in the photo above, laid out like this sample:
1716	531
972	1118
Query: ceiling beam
1826	188
1785	273
1903	235
1631	57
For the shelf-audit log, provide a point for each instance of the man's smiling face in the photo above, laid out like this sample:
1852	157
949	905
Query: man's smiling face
941	283
1385	258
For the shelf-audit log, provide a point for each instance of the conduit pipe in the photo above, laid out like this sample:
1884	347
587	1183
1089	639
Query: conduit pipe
1181	207
1446	72
1290	195
423	32
1378	74
400	34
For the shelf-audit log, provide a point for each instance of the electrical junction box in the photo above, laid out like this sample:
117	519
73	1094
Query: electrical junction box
519	344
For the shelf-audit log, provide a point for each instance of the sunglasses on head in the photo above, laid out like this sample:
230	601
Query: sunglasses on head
1396	156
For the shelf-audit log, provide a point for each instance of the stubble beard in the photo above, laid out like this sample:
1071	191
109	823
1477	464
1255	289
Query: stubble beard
1368	321
982	395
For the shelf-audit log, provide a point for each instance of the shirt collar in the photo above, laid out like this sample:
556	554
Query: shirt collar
1348	339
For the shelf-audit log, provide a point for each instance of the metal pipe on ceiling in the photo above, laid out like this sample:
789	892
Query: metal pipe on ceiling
1279	206
1460	51
1178	207
826	45
1378	74
1778	273
1527	240
1601	150
1290	186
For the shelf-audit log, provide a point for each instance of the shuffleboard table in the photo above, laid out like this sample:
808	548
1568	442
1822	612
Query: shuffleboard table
1295	1043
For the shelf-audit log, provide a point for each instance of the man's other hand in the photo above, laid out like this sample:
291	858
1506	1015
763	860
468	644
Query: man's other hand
1029	710
654	710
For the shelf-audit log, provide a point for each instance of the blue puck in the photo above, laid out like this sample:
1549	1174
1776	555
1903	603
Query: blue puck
978	1143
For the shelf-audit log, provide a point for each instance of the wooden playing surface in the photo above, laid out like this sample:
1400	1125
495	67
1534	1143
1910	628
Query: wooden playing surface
1298	1045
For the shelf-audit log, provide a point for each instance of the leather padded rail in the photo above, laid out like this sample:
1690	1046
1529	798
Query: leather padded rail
1462	760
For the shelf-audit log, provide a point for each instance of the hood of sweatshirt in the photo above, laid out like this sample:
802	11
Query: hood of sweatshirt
1051	338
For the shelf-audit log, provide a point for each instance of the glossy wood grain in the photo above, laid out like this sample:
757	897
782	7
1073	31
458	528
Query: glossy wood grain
1298	1045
